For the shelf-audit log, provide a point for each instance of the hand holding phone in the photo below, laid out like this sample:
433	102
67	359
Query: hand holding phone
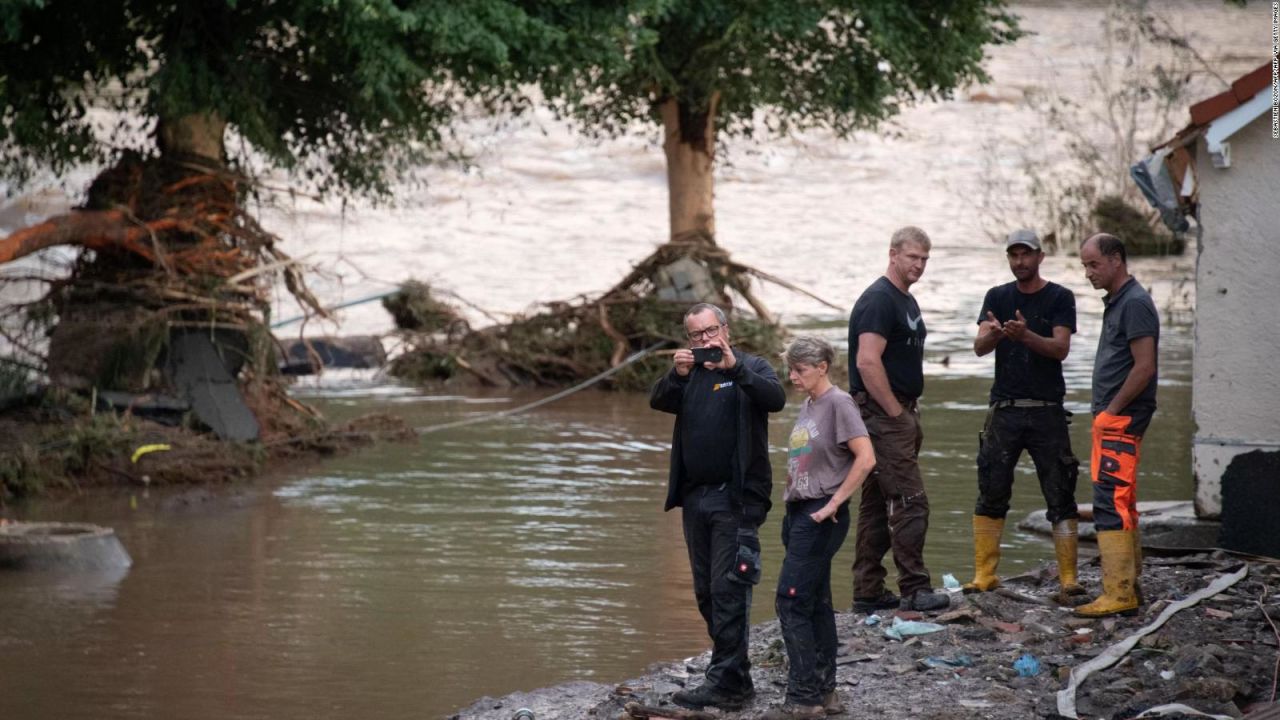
707	355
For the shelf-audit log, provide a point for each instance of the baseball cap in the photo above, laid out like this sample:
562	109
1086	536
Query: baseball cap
1023	236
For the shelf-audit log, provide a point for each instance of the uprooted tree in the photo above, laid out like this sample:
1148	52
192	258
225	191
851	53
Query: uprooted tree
702	69
185	105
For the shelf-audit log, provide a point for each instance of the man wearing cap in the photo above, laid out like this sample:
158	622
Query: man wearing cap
1028	323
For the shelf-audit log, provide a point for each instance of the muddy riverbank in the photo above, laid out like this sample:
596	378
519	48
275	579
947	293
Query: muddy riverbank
56	444
1000	656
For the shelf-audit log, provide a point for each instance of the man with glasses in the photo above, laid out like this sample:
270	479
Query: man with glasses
721	478
886	377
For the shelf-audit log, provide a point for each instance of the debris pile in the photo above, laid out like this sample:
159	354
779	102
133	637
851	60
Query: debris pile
1003	656
156	334
568	342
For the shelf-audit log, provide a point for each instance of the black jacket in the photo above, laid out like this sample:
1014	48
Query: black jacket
759	393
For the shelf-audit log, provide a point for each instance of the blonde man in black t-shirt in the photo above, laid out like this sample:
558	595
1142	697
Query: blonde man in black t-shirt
886	379
1028	324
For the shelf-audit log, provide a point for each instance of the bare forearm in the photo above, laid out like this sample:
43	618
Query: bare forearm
1133	386
857	475
1044	346
876	381
986	342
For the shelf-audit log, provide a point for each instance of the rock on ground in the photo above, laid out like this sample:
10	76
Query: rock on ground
1217	657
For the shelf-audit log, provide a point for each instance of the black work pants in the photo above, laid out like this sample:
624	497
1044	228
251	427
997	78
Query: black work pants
804	599
711	534
1042	432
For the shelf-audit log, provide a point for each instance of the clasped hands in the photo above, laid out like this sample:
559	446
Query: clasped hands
1013	329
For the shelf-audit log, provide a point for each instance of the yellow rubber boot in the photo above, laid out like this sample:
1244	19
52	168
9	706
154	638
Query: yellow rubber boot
1116	550
1137	566
986	553
1065	546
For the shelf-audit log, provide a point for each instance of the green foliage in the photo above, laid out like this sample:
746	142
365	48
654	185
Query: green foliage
14	378
424	366
343	93
21	472
414	308
840	64
1113	214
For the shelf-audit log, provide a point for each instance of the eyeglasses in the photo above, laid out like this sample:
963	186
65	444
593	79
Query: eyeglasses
710	332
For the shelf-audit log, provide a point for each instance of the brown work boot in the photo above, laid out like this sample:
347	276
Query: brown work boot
831	703
986	554
795	712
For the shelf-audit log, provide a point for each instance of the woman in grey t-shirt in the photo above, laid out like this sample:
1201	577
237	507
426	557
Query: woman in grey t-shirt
830	456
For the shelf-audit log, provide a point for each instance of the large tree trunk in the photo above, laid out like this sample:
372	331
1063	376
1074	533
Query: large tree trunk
158	229
689	136
194	136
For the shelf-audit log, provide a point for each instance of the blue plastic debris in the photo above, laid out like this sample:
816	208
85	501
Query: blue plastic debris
901	629
1027	665
872	620
950	582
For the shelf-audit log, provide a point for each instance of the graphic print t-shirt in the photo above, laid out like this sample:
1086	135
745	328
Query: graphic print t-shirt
1020	373
708	428
894	315
819	457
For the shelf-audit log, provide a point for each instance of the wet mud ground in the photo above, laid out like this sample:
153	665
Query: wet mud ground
1219	657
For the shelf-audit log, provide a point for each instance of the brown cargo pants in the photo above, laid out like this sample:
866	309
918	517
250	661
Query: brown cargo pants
894	510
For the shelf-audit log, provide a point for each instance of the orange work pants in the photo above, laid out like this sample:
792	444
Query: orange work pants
1113	467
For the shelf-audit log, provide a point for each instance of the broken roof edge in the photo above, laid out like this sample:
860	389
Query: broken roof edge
1221	116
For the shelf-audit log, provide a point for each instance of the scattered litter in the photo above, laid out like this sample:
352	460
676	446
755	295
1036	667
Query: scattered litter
1174	709
147	449
975	704
1167	674
950	582
959	615
1027	665
901	629
958	661
1112	655
872	620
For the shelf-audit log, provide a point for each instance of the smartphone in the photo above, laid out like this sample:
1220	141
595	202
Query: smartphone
707	354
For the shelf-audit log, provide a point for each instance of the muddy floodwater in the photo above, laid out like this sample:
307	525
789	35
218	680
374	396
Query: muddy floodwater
406	581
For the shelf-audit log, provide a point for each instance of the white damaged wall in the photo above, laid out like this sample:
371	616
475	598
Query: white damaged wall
1235	396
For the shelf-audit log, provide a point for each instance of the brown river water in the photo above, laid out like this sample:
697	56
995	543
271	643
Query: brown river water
409	580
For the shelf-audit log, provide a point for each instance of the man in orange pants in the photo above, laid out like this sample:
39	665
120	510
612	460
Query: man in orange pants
1124	399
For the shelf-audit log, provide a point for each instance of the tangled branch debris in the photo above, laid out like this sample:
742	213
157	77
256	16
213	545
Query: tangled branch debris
570	341
169	249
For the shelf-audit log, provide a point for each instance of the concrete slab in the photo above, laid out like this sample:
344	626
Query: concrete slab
1168	524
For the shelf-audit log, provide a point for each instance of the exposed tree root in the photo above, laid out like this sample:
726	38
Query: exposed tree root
167	245
571	341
